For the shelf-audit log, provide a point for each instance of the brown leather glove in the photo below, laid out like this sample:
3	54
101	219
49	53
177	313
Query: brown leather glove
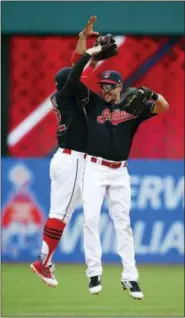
109	47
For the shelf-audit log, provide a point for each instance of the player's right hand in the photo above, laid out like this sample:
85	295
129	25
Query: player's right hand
88	30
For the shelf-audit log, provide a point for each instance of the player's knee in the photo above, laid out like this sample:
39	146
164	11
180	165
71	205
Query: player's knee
62	218
91	222
123	226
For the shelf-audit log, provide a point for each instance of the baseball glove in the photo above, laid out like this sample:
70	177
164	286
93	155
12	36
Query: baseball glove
134	101
109	47
149	93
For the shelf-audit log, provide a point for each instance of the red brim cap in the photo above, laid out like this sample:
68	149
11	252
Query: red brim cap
107	82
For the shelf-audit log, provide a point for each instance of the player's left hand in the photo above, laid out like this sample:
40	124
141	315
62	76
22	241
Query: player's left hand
88	30
134	101
149	93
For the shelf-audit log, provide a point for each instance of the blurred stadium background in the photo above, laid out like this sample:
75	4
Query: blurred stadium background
37	41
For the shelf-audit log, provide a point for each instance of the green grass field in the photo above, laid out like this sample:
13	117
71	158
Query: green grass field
24	294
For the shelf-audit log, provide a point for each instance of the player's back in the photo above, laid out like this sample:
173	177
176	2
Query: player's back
71	122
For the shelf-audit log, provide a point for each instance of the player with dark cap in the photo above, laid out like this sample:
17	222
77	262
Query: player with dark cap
61	77
111	130
66	166
111	85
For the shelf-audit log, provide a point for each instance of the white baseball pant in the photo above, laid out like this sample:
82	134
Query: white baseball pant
97	181
66	172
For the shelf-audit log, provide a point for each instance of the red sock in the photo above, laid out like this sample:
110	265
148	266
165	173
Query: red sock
53	230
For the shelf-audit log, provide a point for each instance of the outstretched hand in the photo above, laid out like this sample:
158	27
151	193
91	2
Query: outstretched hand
88	30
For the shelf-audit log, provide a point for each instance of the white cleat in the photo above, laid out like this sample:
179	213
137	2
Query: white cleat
133	288
95	286
95	290
137	295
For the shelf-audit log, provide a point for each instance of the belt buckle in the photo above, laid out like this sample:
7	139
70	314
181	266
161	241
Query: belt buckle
111	165
67	151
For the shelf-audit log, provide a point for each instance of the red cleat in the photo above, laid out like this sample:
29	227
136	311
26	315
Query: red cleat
46	273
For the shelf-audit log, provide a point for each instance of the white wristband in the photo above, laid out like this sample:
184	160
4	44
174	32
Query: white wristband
81	35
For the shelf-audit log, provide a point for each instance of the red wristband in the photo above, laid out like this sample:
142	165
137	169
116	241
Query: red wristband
75	57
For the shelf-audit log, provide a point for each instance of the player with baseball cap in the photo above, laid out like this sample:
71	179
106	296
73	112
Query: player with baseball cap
110	134
67	164
110	80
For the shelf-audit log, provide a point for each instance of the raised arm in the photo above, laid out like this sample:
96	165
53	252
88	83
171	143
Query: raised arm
82	40
74	77
73	86
88	77
161	105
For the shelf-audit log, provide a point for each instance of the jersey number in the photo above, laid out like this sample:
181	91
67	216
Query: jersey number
60	128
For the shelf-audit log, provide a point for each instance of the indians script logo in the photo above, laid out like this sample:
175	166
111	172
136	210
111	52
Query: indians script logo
22	217
116	117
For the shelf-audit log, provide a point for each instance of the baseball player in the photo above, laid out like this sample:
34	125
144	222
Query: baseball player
67	164
112	123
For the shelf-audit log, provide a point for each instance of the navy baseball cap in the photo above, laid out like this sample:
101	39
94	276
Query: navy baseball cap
111	77
61	77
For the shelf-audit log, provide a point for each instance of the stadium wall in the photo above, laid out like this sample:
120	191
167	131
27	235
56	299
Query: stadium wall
67	17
